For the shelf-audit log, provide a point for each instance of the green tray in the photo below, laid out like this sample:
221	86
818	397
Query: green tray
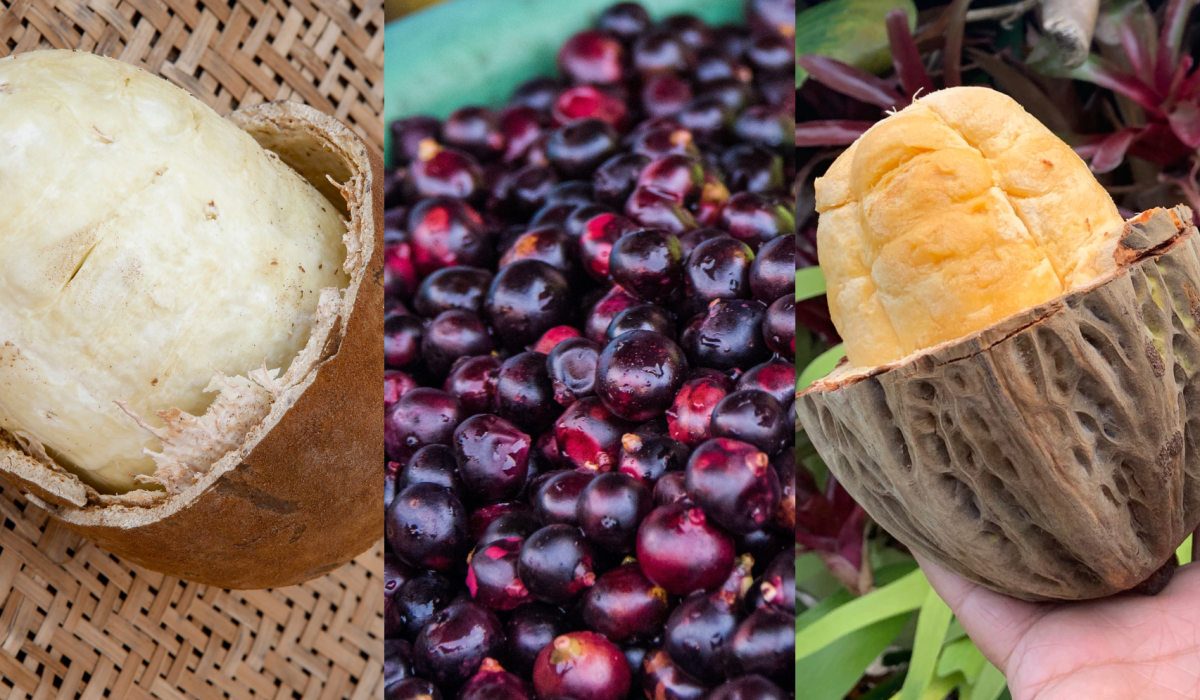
475	52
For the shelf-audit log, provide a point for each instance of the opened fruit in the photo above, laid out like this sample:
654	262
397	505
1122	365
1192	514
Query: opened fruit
187	309
1019	401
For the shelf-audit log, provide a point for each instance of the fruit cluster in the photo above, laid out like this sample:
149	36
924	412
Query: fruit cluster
590	338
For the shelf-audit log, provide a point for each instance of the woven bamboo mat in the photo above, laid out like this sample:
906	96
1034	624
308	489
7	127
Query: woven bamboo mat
229	53
76	622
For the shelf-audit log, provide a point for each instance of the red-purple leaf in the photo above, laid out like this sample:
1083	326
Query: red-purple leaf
1181	72
851	81
1189	88
1159	144
1185	122
1138	53
956	15
906	57
833	526
829	132
1109	152
1104	74
1174	22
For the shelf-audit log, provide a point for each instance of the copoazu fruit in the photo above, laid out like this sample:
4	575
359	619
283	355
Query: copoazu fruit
1018	402
190	304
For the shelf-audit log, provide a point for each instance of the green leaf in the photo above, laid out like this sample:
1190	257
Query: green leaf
833	669
810	282
902	596
988	686
475	52
1185	551
852	31
961	656
932	624
820	367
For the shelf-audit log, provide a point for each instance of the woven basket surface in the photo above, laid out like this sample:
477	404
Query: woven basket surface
229	53
77	622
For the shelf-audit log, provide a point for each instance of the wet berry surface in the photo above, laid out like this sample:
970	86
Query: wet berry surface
589	347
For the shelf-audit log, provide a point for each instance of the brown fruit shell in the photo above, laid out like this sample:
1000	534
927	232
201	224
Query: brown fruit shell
302	495
1052	456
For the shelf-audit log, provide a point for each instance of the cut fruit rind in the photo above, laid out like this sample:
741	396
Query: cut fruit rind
298	495
1052	455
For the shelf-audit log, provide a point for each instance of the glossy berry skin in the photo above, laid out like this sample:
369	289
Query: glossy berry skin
648	263
402	335
582	666
708	118
520	127
773	273
556	564
681	177
446	232
531	628
756	219
665	95
778	585
648	458
419	600
669	488
526	299
492	575
552	338
517	521
680	550
546	243
525	394
639	373
625	20
452	288
492	682
438	171
763	643
538	93
576	222
413	689
654	209
397	661
625	605
421	417
572	369
692	239
775	376
728	336
589	435
432	464
427	526
661	678
784	465
767	126
602	313
493	457
451	648
592	57
755	417
557	497
689	28
596	242
610	508
523	192
475	130
643	317
472	380
779	327
747	688
752	169
615	179
453	334
695	633
718	268
665	141
399	270
734	483
407	135
661	50
577	148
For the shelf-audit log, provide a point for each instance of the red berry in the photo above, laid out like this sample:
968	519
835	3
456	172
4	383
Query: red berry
583	666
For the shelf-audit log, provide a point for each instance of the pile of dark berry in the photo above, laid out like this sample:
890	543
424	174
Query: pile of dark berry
590	342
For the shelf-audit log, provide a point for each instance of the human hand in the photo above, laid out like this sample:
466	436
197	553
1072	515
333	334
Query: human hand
1128	647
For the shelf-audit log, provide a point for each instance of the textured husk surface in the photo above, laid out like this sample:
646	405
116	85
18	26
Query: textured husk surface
1052	456
301	496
